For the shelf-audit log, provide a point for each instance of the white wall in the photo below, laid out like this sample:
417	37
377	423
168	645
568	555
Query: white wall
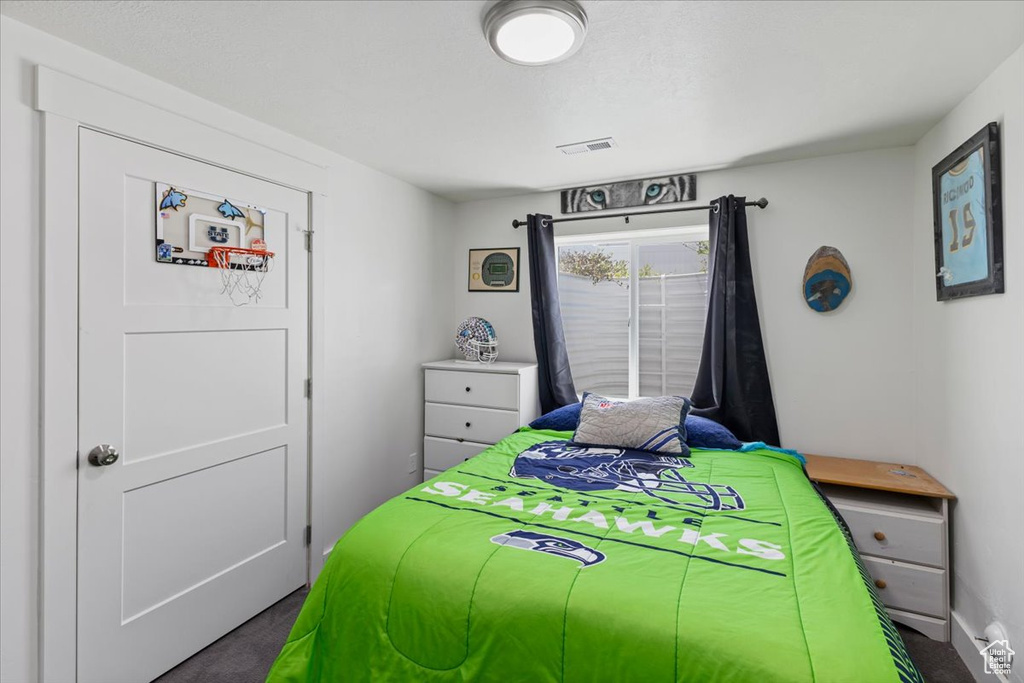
842	381
969	370
388	301
388	311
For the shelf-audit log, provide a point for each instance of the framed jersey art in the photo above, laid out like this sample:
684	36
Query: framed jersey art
968	216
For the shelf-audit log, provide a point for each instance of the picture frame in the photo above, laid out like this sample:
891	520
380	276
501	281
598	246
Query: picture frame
494	270
968	218
626	194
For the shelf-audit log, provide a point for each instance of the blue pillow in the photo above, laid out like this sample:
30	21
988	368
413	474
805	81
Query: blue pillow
704	433
562	419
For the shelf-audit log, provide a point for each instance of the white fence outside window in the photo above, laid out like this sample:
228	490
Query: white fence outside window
596	318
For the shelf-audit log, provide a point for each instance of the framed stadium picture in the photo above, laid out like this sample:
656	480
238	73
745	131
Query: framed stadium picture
494	270
968	214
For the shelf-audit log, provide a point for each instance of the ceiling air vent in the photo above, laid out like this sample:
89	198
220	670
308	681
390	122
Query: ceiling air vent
587	146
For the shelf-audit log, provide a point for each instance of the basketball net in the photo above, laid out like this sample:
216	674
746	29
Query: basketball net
241	272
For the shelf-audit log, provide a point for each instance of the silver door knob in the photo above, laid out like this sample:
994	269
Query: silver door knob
103	455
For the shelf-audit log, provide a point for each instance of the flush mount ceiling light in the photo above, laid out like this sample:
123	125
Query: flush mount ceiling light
535	32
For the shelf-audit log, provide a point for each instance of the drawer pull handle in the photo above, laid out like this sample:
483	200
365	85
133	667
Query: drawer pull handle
879	536
468	389
880	583
468	425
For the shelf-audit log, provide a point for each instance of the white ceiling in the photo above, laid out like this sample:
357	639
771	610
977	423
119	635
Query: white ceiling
411	88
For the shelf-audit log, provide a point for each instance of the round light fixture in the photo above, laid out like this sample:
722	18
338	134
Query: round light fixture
535	32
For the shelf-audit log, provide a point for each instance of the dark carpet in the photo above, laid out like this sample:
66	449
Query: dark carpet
245	654
939	662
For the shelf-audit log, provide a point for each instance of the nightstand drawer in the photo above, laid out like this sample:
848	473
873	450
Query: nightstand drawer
440	454
484	390
482	425
899	519
909	587
907	537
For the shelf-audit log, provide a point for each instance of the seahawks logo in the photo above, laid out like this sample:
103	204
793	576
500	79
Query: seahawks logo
552	545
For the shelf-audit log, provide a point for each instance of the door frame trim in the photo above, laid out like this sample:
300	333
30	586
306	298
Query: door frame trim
68	104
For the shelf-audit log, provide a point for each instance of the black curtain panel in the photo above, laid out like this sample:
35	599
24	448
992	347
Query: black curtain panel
555	378
732	381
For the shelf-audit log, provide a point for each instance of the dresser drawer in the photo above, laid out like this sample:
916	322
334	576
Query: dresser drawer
909	587
482	425
481	389
934	628
440	454
911	538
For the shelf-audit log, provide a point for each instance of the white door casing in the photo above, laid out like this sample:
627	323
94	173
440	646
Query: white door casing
200	523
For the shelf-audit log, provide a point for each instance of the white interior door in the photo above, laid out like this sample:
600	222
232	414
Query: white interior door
200	522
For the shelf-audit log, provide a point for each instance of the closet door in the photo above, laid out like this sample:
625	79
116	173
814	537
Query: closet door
198	522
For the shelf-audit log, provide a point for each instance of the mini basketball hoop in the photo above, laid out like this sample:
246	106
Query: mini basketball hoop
242	270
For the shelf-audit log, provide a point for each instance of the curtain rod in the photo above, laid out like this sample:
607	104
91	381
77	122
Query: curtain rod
760	203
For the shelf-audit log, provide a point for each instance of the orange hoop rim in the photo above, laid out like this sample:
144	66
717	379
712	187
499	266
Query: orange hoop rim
211	255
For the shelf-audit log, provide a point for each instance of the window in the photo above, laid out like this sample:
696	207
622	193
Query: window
633	307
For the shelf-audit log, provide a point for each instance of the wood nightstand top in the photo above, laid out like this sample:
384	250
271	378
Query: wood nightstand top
882	476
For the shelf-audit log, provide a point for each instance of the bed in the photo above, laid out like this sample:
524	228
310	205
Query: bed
538	560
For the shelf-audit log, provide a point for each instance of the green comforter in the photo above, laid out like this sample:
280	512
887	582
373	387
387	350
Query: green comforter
537	562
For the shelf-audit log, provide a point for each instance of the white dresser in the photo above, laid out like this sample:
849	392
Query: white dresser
469	406
899	519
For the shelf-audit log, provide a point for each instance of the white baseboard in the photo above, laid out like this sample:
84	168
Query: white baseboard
969	650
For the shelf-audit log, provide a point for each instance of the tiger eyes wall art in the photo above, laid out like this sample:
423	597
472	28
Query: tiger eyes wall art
630	193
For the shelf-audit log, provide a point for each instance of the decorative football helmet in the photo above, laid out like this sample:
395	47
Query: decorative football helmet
589	468
476	340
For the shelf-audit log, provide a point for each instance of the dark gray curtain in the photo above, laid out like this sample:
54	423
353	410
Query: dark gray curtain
555	378
732	382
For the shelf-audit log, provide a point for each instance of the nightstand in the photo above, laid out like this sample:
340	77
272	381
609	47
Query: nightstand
899	518
469	406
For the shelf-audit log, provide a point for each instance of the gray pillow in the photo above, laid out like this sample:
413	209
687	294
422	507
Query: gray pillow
649	424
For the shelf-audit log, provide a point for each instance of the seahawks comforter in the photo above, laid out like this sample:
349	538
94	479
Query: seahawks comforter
538	561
